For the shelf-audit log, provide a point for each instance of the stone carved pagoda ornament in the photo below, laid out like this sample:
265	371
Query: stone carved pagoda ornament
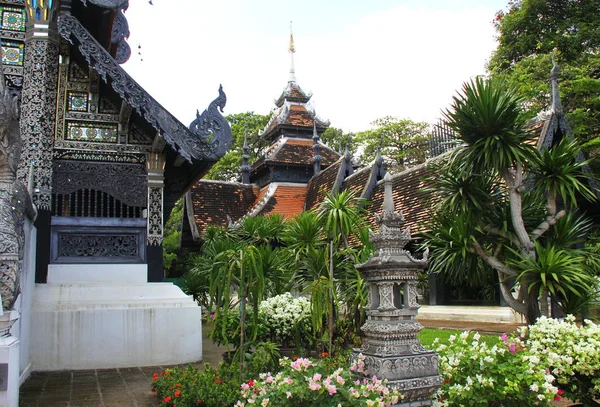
15	200
392	350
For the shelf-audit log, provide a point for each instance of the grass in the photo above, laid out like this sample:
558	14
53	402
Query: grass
428	335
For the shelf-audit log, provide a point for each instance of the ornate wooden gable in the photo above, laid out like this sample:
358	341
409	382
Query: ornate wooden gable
106	161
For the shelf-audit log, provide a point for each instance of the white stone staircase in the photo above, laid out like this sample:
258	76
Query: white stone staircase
107	316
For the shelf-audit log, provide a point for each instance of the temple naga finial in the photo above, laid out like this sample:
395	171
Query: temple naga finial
556	102
316	149
245	169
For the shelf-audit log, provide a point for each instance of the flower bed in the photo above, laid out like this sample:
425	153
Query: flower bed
307	383
477	374
282	314
571	352
191	387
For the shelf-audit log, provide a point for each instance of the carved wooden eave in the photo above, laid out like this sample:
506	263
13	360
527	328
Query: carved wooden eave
208	141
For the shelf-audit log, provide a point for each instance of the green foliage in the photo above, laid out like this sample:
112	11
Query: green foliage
533	27
250	124
554	269
493	215
172	239
559	174
571	353
264	358
343	215
403	142
191	387
338	140
486	116
266	256
529	32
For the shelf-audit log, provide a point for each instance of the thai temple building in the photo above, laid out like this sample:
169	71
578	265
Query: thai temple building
279	181
294	175
104	163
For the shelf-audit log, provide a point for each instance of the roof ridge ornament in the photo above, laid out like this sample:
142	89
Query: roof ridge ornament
245	156
316	149
556	102
111	4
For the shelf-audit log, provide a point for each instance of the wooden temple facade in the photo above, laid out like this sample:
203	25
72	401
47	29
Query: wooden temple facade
105	161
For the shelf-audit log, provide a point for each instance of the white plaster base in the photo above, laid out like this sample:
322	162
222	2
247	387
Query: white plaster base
9	353
469	313
106	325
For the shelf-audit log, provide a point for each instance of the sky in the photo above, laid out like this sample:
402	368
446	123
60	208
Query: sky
361	59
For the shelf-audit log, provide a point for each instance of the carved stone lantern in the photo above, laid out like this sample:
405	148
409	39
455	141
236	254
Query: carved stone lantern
392	350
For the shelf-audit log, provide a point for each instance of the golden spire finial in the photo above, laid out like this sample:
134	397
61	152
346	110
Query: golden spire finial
292	48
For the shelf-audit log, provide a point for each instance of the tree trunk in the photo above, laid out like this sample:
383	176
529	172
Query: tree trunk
330	316
532	308
544	310
242	315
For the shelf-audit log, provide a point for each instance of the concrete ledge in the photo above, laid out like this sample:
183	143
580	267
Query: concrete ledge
97	273
469	313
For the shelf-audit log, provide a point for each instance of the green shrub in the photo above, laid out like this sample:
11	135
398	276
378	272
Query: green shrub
479	375
571	353
325	382
191	387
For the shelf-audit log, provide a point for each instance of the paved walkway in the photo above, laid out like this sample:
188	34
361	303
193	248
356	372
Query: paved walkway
126	387
130	387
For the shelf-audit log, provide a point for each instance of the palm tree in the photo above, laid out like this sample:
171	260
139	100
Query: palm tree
343	216
490	210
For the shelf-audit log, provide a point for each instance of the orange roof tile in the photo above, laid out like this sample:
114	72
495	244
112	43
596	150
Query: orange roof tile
288	201
357	181
297	152
215	202
321	184
408	198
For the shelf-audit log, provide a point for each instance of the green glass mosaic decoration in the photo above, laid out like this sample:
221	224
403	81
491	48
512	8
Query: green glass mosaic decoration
77	102
12	53
92	132
12	19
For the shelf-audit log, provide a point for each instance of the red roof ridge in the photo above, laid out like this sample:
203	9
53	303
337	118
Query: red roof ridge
260	204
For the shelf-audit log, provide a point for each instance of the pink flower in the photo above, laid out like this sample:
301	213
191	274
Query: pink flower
314	386
504	337
316	377
288	394
512	347
331	389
